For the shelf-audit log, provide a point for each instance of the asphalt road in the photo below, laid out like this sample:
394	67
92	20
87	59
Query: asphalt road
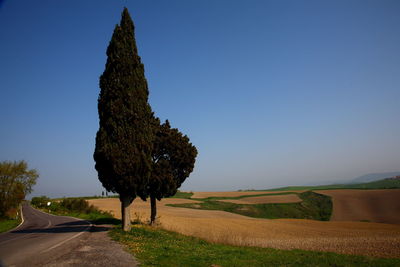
39	233
47	240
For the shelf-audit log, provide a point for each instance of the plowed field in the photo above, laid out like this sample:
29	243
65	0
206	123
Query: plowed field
363	238
381	205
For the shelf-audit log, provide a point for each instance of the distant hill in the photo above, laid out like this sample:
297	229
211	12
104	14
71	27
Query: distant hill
387	183
373	177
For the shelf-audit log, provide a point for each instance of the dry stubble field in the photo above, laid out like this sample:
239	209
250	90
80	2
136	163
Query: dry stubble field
348	237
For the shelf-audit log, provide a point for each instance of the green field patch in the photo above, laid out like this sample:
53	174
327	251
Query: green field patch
388	183
158	247
180	194
245	196
314	206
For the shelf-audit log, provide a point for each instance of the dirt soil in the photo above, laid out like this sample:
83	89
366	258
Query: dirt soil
360	238
382	205
290	198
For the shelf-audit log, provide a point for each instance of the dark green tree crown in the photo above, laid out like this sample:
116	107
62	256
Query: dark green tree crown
173	160
125	137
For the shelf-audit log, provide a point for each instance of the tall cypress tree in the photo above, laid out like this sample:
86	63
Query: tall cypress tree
124	139
173	160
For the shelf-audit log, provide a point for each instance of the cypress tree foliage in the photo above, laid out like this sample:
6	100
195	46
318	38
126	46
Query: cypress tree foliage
173	160
124	139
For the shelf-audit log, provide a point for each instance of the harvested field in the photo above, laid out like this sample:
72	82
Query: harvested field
238	193
141	209
289	198
371	239
381	205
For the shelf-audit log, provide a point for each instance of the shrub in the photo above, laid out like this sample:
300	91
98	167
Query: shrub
77	205
40	202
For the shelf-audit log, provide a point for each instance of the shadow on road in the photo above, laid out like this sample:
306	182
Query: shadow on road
64	229
74	223
112	221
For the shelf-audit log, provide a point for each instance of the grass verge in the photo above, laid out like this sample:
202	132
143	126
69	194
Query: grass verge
157	247
8	224
76	207
314	206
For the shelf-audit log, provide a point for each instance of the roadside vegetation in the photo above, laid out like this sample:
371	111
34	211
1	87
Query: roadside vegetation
74	207
157	247
314	206
16	181
85	197
6	224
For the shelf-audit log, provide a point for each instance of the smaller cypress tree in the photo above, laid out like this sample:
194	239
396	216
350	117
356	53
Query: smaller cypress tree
173	160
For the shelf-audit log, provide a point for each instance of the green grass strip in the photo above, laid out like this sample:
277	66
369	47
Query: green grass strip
388	183
246	196
8	224
180	194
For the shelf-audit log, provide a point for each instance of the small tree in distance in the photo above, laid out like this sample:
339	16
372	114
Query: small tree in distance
173	160
16	181
124	139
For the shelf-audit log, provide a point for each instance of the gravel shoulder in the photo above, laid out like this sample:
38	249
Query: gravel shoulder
95	249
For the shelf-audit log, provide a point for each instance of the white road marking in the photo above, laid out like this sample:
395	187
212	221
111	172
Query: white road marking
66	240
48	225
48	213
22	236
22	221
72	237
22	218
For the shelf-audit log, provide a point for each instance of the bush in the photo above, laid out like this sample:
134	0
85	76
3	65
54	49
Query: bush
77	205
40	202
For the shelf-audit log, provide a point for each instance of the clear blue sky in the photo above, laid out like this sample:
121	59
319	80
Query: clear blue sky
272	93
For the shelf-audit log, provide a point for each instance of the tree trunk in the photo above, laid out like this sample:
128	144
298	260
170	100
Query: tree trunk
125	211
153	210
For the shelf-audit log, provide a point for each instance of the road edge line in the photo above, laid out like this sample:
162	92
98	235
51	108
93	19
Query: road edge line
68	239
22	221
78	219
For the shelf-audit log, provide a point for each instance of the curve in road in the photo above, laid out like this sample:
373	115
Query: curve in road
38	235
